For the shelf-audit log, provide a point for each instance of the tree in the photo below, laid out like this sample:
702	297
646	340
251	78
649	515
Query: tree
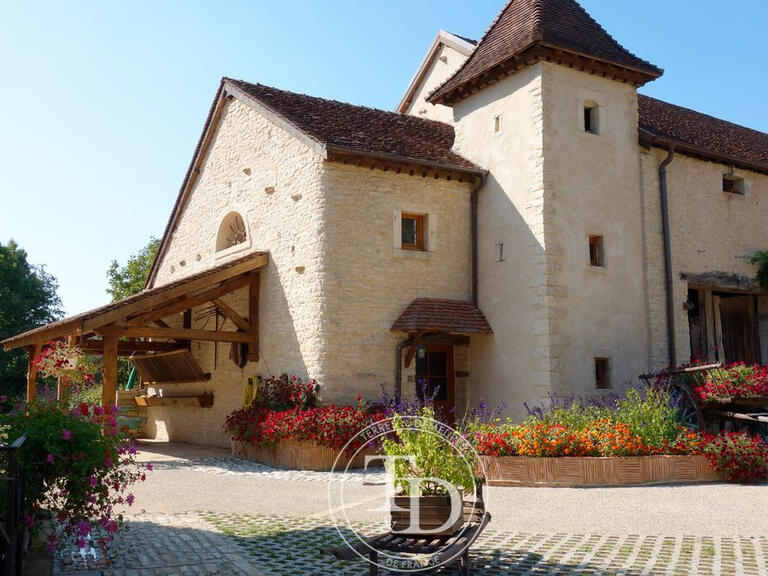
129	279
28	299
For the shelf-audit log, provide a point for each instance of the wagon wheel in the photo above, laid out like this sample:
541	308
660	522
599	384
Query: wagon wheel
690	413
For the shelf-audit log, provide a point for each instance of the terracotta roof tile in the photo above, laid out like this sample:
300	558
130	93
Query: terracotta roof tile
361	129
440	315
524	24
702	131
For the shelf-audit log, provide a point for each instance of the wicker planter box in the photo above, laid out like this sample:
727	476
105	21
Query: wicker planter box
294	455
609	471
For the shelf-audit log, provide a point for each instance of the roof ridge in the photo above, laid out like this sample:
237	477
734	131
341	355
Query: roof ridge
333	101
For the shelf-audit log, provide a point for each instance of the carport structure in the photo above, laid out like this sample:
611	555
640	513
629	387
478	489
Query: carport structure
156	321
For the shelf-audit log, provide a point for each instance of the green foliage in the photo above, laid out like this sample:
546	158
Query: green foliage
760	259
436	451
130	278
650	415
575	416
127	280
28	299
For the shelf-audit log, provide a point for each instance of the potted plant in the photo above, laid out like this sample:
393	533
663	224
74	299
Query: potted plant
430	472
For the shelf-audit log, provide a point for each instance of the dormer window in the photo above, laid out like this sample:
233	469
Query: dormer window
231	232
591	118
733	184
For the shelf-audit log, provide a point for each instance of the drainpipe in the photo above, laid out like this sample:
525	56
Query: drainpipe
668	255
473	204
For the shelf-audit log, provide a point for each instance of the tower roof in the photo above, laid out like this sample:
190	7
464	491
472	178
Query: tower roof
527	31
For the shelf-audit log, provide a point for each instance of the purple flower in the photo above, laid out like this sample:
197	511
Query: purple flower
83	528
130	499
49	458
149	466
92	482
30	521
50	543
112	526
66	434
3	399
81	542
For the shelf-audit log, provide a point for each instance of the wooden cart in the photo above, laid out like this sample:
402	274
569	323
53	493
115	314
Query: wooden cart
749	414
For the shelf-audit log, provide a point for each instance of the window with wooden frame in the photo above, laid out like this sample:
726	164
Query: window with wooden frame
602	375
596	250
412	231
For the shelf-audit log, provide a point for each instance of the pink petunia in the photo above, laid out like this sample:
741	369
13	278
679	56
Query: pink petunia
66	434
49	458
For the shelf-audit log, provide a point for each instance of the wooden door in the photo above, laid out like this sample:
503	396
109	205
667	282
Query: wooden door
435	376
737	318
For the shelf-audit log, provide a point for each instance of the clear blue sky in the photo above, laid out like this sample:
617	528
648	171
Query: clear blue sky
102	102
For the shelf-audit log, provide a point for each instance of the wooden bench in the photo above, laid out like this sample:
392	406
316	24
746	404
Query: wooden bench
442	549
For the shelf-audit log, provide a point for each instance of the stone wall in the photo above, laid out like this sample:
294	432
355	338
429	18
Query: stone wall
514	364
446	62
274	182
711	230
370	281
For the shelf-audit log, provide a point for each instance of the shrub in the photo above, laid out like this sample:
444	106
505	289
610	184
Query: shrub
286	409
77	467
741	457
76	463
433	453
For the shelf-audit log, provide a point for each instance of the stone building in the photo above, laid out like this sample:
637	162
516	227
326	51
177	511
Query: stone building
525	224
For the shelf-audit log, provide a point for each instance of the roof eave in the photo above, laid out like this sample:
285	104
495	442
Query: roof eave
473	171
648	139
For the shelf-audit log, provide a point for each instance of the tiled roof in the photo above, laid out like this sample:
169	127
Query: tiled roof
360	129
702	131
524	24
440	315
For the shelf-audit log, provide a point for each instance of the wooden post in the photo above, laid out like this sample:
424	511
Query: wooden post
109	390
34	352
253	315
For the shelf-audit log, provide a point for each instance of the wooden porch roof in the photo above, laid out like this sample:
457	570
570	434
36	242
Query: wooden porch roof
132	316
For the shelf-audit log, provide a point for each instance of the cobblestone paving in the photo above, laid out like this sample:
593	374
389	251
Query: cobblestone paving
291	546
171	545
227	465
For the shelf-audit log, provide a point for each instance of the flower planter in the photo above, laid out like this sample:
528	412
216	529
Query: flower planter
433	512
590	471
295	455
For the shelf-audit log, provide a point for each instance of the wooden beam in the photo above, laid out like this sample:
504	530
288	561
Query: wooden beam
109	386
151	302
232	314
190	302
174	333
34	352
127	347
253	316
412	349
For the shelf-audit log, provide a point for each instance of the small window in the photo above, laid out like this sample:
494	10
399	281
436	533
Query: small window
412	231
596	251
497	125
602	376
733	184
591	118
231	232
